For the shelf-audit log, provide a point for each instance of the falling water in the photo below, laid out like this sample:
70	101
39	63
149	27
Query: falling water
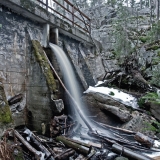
70	81
68	73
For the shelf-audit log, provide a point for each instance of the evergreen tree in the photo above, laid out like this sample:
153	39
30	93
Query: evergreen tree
132	2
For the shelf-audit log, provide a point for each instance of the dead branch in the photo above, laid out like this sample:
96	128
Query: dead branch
27	145
65	154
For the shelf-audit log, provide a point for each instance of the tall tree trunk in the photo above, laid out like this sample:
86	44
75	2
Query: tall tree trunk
141	4
158	9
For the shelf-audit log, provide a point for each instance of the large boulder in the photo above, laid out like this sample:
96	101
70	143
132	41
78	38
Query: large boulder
123	114
105	109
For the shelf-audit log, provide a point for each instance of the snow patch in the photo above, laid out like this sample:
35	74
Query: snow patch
118	95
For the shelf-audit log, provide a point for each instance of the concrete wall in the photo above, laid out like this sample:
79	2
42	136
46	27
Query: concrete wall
21	73
18	68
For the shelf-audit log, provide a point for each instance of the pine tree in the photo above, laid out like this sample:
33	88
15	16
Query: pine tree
132	2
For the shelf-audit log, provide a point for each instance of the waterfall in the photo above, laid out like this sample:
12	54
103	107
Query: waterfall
70	81
68	73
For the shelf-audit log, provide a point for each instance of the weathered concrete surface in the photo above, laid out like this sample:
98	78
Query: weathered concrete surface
20	72
14	54
32	10
83	71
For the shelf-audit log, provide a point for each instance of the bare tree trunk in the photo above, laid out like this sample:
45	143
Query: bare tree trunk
141	4
158	9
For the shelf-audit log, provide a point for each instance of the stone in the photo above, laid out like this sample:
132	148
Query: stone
154	108
59	105
94	102
140	123
123	114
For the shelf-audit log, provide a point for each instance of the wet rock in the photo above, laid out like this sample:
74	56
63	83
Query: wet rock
59	105
121	113
140	123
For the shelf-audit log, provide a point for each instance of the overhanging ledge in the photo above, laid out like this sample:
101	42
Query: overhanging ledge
33	11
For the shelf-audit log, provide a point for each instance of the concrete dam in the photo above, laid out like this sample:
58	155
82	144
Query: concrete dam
26	28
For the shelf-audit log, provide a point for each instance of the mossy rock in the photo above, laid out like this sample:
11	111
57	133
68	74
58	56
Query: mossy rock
153	46
43	62
5	113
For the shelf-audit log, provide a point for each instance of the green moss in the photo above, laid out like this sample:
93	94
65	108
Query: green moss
5	113
158	53
151	97
144	39
111	93
141	103
42	60
154	47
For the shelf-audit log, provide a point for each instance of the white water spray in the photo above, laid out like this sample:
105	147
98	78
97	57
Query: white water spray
67	71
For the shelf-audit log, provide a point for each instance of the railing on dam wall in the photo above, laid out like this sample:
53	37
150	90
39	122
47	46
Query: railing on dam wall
67	11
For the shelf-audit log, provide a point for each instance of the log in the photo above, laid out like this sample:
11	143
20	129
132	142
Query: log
145	140
15	99
78	146
34	139
27	145
65	154
129	153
